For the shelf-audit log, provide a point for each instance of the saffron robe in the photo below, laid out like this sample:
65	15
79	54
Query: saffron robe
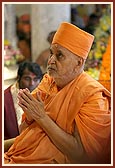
83	102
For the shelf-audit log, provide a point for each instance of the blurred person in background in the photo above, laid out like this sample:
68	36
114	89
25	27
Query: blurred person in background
23	30
76	19
29	76
92	24
43	56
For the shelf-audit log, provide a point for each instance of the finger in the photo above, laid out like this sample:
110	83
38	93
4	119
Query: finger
24	94
24	98
28	94
23	101
24	108
21	92
27	101
39	97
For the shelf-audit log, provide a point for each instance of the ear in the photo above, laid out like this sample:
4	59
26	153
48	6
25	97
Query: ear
80	62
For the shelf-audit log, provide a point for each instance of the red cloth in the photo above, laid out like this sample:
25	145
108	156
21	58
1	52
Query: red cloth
10	120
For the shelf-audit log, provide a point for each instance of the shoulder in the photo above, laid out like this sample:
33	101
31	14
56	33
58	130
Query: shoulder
89	86
7	90
8	100
87	81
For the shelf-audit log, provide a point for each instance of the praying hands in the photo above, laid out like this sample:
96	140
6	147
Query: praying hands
33	108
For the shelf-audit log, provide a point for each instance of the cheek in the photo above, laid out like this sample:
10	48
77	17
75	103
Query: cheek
68	69
24	84
64	69
61	69
36	83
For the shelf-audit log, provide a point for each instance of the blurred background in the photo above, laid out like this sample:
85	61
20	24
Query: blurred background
26	28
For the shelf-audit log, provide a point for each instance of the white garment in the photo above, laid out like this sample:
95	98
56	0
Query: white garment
18	109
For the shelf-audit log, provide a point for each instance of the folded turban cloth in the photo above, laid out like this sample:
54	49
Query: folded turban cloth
74	39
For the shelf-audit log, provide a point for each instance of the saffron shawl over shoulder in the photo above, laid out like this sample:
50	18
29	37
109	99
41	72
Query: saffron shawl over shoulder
81	103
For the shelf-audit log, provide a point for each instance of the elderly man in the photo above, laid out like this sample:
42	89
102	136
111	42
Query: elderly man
67	117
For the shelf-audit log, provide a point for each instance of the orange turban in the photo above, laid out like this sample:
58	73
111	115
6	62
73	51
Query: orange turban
74	39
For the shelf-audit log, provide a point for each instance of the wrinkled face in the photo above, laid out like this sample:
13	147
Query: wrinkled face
28	80
62	65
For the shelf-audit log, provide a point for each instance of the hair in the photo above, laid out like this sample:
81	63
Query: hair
32	67
50	36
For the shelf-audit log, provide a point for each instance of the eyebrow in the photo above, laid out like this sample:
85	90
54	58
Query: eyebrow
58	50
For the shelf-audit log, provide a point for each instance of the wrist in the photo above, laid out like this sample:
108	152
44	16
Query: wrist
28	122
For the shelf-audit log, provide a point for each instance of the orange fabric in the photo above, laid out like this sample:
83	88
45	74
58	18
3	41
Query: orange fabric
80	101
74	39
105	71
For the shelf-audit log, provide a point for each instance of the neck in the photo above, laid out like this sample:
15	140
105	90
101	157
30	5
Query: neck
61	83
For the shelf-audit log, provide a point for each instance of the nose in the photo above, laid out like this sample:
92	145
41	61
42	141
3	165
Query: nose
32	82
52	60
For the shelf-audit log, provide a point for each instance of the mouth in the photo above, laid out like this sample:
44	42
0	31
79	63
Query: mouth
51	69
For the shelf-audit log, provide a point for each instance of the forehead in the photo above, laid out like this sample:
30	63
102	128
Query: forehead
27	72
56	48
